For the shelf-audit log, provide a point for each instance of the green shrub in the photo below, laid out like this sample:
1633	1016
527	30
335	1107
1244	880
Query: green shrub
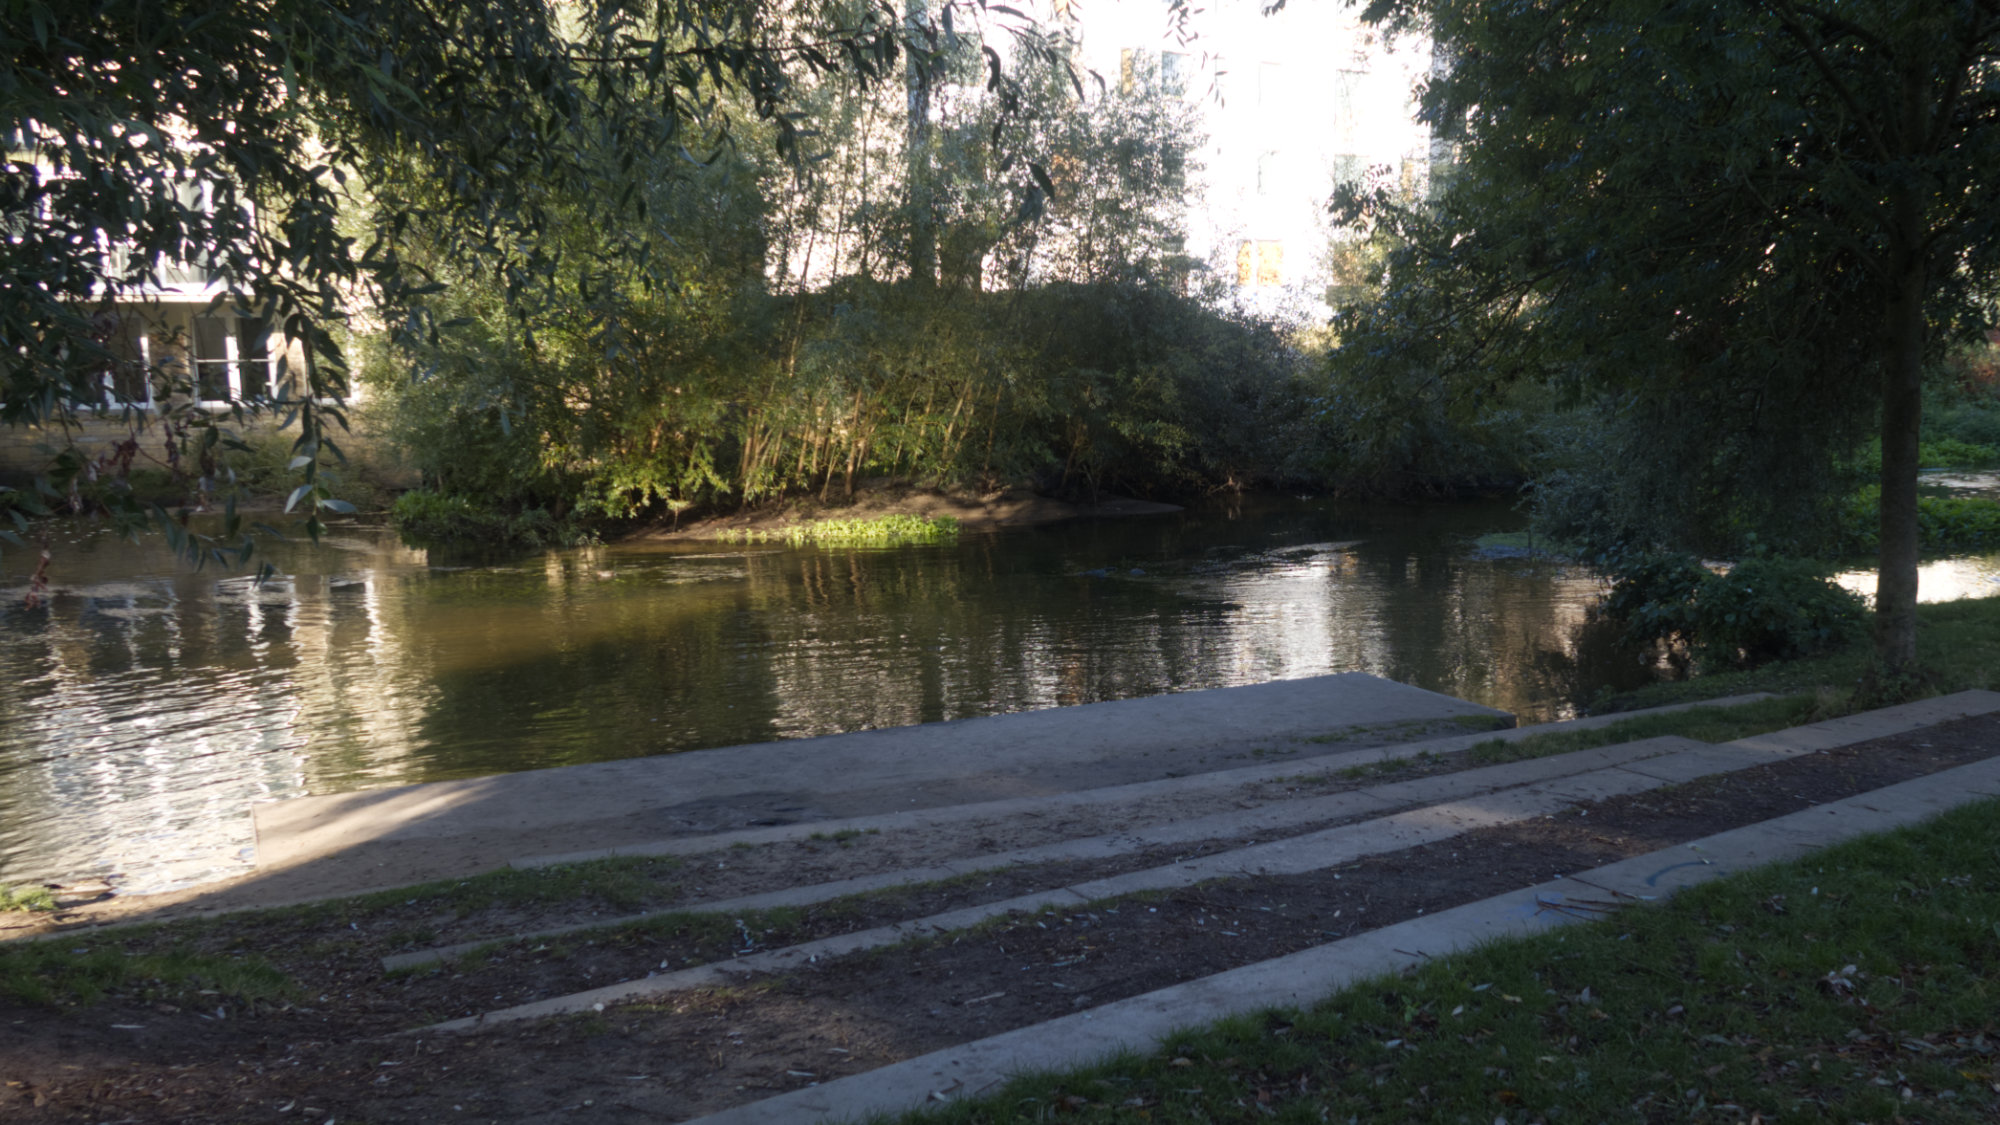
1774	608
1951	453
1764	608
432	519
1654	595
1945	523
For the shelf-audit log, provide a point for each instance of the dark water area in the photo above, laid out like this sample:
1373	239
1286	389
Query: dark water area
149	707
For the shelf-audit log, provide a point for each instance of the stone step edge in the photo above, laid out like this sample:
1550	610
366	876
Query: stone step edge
1388	796
1276	817
1296	855
1142	1023
1212	781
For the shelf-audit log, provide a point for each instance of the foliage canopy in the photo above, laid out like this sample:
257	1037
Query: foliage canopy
1737	231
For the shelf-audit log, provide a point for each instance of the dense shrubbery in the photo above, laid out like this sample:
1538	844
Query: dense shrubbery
431	519
1947	523
1763	608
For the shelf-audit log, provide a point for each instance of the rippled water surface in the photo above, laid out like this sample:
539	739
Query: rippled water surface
147	708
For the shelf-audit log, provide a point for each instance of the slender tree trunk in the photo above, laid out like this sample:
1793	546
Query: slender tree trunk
1902	420
917	149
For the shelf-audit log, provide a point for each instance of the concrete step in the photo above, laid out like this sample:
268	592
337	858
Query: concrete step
1273	818
1164	799
1445	805
339	843
1142	1023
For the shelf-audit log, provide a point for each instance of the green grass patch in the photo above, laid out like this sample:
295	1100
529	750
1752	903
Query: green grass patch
882	531
1858	985
845	836
21	900
64	973
1708	724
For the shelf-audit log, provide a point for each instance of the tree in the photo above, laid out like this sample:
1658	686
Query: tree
301	117
1771	212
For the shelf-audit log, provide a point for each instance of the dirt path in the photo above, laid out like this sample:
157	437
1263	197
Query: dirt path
334	1053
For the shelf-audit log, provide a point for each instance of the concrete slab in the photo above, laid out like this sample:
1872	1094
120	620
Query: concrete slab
481	823
1219	781
1141	1022
1901	719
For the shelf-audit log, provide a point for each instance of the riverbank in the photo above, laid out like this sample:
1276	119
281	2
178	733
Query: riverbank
291	1011
1015	506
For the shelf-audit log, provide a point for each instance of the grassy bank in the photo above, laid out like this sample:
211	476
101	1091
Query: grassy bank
1958	645
1860	984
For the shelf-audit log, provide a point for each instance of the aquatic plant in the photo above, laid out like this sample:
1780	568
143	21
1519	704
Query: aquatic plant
883	531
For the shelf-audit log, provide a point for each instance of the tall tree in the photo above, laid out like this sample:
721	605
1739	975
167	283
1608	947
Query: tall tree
1771	211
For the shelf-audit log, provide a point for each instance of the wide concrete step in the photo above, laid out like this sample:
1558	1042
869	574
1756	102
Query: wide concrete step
1141	1023
1437	808
1102	824
450	829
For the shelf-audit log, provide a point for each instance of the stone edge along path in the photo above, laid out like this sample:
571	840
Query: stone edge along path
1305	977
1634	767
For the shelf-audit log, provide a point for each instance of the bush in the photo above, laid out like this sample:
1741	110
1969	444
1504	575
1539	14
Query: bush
1764	608
1945	523
431	519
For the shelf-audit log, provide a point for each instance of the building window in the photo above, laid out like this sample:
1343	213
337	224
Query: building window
1347	96
123	380
1133	70
1268	172
1348	169
232	359
1260	263
1270	84
1174	70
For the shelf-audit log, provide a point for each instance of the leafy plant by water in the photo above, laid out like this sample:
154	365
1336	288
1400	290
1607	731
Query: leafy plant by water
24	899
893	530
430	519
1763	608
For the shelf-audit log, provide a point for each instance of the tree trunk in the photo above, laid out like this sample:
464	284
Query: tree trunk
1902	420
917	148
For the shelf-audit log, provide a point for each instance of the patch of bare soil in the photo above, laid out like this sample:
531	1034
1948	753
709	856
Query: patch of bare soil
1007	507
332	1055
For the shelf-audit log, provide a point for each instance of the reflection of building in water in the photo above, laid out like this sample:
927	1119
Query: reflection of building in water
129	721
142	720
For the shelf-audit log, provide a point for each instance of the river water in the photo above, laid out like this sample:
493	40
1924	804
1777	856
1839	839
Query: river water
147	708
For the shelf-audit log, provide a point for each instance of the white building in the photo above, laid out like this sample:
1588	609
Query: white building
1292	103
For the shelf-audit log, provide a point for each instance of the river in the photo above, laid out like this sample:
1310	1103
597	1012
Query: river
148	707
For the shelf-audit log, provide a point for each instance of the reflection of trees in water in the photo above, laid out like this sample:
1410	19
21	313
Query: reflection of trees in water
1592	660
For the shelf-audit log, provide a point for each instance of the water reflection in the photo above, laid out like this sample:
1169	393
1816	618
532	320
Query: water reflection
148	708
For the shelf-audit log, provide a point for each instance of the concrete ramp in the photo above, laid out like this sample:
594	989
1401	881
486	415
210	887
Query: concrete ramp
351	841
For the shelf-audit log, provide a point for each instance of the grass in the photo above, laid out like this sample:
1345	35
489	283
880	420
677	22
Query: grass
1410	727
1707	724
1860	984
22	900
845	836
622	883
62	974
893	530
